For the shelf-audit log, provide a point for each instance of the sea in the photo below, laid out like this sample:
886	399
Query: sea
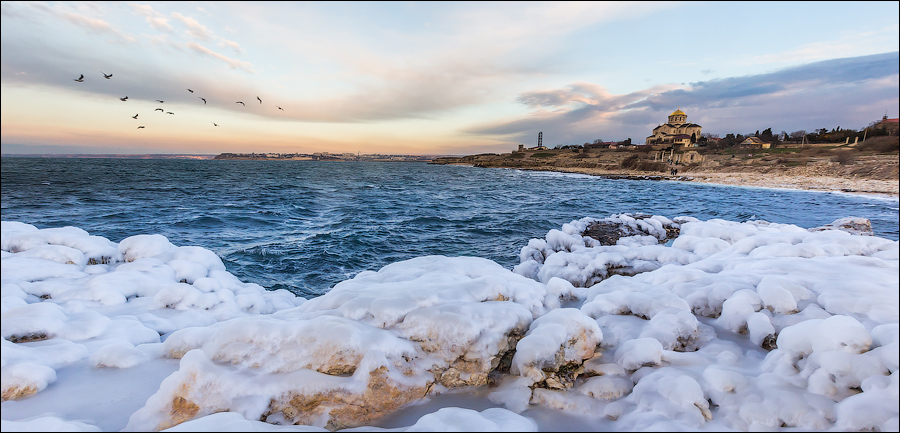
305	226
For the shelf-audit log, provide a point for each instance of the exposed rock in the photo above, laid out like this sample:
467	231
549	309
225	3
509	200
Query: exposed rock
609	230
15	392
769	343
27	338
345	409
852	225
100	260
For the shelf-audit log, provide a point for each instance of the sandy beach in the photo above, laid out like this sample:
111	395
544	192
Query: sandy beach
886	188
811	183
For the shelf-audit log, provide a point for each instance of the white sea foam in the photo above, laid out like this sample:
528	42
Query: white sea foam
734	326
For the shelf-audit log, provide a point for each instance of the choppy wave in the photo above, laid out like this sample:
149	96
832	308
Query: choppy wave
305	226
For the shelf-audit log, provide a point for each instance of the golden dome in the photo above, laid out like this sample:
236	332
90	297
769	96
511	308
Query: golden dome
678	112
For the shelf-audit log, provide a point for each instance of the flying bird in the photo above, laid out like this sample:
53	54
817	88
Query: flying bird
106	76
139	127
169	112
239	102
160	101
215	124
134	117
80	79
260	100
123	99
282	109
189	90
204	100
159	109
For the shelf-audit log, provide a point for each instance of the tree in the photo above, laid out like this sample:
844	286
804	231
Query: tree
693	138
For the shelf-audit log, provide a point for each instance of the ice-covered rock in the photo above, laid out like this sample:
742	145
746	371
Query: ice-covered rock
368	346
556	345
734	326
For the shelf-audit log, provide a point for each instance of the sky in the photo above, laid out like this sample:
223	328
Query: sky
432	78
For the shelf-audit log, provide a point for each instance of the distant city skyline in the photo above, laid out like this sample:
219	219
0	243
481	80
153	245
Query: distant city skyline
444	78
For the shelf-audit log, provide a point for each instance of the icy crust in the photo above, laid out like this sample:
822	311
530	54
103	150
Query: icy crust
734	326
811	301
70	297
581	253
370	345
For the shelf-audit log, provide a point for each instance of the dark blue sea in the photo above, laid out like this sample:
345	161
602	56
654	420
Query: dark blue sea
305	225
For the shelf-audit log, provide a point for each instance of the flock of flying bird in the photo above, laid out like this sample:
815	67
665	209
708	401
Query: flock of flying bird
108	76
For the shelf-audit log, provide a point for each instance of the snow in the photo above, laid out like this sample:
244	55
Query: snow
730	326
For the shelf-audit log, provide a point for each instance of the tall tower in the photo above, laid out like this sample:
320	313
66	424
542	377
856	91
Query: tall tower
540	139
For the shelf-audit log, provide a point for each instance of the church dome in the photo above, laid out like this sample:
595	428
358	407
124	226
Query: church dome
678	112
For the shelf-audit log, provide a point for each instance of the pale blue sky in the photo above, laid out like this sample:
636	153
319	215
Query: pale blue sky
432	78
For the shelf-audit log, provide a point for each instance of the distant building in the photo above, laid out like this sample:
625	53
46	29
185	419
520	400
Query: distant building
540	144
891	126
677	131
754	143
669	156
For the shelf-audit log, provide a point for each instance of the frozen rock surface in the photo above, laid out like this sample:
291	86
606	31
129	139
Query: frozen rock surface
732	326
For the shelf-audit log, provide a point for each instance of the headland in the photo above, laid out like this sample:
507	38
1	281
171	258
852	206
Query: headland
871	169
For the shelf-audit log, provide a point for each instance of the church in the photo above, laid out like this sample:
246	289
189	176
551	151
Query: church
677	131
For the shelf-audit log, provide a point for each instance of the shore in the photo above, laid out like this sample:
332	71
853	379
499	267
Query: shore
888	188
810	183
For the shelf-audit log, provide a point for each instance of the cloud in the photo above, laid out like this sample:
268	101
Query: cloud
846	45
195	29
818	94
156	20
234	64
92	25
231	44
816	76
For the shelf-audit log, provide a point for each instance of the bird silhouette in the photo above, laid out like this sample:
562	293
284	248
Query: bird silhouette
159	109
160	101
106	76
169	112
204	100
134	117
123	99
139	127
282	109
260	100
189	90
215	124
239	102
80	79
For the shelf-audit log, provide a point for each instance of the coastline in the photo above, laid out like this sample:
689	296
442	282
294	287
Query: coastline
869	187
